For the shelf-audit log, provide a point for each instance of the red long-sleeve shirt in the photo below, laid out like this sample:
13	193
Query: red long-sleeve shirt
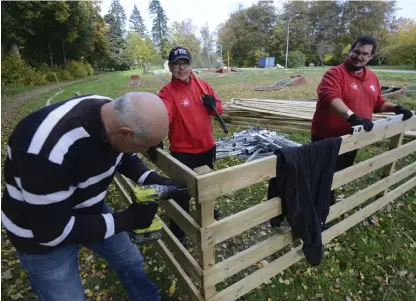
190	126
360	93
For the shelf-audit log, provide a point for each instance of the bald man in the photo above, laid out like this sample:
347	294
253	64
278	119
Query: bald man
60	162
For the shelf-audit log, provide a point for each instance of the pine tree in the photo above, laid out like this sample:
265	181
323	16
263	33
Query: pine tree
116	19
136	22
160	27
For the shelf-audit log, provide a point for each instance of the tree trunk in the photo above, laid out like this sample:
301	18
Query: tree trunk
50	54
63	52
14	49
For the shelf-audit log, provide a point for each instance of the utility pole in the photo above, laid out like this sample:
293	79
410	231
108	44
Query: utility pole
287	39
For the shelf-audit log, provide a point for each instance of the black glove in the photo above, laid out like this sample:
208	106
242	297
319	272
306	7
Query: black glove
209	100
137	216
366	123
406	113
152	152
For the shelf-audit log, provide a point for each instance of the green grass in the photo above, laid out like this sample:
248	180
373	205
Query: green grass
374	260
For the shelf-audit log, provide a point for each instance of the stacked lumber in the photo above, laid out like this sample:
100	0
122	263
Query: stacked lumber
280	115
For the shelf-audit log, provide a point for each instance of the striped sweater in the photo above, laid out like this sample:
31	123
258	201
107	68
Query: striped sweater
59	165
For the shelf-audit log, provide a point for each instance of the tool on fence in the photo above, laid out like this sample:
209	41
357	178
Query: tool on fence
149	194
379	123
204	91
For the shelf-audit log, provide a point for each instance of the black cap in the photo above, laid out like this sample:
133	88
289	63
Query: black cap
179	52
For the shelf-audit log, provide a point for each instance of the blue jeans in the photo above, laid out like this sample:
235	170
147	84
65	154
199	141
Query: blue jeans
55	276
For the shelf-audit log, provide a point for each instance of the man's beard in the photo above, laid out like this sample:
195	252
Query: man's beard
352	67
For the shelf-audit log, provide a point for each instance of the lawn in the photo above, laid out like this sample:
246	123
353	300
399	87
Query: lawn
373	261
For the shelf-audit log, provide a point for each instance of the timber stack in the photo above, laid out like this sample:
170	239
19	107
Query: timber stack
278	115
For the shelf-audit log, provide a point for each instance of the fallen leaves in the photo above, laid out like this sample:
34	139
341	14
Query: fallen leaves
172	288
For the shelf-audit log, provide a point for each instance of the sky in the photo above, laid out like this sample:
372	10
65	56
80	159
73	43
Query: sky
214	12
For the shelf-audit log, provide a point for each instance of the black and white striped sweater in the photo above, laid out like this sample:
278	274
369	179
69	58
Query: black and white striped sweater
58	168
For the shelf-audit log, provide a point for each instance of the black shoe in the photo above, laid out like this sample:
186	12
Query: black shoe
217	214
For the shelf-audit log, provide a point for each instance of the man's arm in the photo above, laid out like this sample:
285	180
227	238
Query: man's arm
218	103
134	168
166	97
47	189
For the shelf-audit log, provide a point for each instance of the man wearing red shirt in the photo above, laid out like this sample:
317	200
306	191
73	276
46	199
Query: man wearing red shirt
348	95
190	127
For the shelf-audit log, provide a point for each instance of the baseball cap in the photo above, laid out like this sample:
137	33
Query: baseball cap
179	52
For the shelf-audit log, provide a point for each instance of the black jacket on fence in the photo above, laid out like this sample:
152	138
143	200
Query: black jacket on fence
303	182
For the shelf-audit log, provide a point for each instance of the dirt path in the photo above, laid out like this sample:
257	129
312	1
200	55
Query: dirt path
44	89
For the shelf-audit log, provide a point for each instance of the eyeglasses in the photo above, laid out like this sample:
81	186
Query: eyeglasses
363	54
179	65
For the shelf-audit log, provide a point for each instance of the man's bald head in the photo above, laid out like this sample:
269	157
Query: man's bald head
135	121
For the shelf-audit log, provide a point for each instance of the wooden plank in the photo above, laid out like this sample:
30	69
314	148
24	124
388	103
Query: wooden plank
182	255
358	170
353	142
246	258
183	278
205	216
182	219
239	222
177	171
252	281
174	211
230	179
254	254
395	142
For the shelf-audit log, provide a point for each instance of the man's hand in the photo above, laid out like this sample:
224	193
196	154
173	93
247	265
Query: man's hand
152	152
209	100
407	114
366	123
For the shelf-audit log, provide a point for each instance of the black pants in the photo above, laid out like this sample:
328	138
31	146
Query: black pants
192	161
344	161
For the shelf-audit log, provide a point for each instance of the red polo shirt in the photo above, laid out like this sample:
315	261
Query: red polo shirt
361	93
190	126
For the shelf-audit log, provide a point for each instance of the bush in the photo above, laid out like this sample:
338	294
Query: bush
65	75
77	69
90	70
296	59
16	72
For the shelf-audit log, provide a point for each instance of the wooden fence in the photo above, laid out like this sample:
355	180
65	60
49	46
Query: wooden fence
199	278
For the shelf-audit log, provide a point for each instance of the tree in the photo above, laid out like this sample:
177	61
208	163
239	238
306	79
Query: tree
248	30
139	50
183	34
159	27
403	47
136	22
207	43
116	19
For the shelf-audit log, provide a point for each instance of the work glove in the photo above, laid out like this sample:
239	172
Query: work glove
137	216
152	152
406	113
366	123
209	100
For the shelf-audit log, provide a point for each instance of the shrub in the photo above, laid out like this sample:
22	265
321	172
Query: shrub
65	75
295	59
88	67
77	69
16	72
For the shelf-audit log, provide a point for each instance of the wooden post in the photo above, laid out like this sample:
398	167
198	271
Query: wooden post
205	216
388	170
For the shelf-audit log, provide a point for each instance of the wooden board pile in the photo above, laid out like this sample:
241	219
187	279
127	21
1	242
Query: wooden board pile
272	114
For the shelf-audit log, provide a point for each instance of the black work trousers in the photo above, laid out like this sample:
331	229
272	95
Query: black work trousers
344	161
192	161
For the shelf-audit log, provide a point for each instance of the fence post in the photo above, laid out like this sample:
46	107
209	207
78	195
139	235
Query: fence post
388	170
205	217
